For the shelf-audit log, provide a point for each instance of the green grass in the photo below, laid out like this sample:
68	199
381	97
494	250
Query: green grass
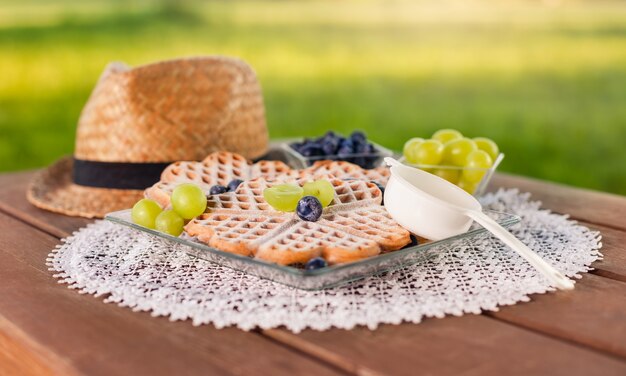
548	83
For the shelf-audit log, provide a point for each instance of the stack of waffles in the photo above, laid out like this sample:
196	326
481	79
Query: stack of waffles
354	226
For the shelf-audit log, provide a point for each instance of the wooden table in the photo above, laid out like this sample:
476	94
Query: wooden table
46	328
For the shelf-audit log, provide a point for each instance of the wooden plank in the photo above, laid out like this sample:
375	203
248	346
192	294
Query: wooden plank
467	345
97	338
593	314
16	350
591	206
13	201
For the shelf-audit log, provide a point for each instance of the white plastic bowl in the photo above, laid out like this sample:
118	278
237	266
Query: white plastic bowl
432	211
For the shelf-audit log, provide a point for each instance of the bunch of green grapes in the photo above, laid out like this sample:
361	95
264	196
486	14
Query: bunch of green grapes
188	201
449	155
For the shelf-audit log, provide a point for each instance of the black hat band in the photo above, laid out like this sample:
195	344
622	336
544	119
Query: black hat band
117	175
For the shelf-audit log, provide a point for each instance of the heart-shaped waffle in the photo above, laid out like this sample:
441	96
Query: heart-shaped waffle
354	226
347	170
217	168
222	167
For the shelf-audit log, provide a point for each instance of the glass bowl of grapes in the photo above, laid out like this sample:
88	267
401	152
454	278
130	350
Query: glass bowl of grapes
467	162
355	148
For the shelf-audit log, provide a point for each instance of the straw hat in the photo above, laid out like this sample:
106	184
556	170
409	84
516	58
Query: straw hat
138	120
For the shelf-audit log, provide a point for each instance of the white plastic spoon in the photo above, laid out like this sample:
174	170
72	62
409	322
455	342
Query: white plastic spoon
434	208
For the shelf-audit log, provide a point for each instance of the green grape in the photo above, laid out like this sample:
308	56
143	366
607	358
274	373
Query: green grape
456	151
409	147
188	201
283	197
450	174
468	187
476	167
446	135
145	212
321	189
428	152
170	222
487	145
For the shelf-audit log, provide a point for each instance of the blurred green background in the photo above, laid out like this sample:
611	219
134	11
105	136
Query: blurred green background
546	80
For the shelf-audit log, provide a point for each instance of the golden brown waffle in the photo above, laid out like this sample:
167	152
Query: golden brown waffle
354	226
347	170
222	167
218	168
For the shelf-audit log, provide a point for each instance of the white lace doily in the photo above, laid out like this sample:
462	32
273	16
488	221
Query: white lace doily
145	273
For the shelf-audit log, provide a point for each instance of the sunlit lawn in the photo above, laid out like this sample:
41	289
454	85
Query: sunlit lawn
547	82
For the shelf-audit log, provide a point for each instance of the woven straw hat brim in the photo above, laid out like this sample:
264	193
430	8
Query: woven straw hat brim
52	189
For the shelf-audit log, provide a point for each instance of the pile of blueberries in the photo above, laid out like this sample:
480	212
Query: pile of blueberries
355	149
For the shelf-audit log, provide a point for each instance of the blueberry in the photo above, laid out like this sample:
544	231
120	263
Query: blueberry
369	162
413	242
358	137
346	143
329	146
311	150
359	161
344	153
371	156
232	186
330	134
298	147
361	148
218	189
309	208
382	190
315	263
346	148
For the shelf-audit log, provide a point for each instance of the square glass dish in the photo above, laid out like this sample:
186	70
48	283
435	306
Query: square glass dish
327	277
453	173
365	160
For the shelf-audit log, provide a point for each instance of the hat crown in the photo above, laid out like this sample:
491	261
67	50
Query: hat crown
174	110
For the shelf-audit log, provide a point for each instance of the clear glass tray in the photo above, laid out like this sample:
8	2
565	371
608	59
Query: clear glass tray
321	278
